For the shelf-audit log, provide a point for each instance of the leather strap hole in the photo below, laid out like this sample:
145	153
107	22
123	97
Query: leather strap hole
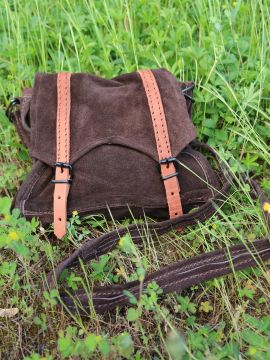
59	219
172	193
59	197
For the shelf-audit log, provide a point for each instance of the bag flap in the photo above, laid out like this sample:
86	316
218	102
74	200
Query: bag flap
112	112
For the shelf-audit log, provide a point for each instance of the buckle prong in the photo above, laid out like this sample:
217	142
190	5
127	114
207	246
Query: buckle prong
169	176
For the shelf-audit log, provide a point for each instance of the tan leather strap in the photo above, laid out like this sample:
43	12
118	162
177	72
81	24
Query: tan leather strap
168	171
62	172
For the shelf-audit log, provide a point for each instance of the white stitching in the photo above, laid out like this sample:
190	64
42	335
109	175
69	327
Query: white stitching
202	262
177	281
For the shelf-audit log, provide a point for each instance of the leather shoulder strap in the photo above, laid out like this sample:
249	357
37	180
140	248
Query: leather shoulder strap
63	168
168	172
172	278
175	277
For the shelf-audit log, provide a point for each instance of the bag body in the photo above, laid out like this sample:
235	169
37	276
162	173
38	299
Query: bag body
123	147
113	153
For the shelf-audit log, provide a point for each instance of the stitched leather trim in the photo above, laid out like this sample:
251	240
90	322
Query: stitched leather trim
61	190
171	184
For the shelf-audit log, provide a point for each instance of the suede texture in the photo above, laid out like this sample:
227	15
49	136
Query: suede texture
113	149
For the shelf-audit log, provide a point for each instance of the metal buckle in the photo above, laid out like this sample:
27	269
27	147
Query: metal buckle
63	165
68	181
167	161
10	107
186	90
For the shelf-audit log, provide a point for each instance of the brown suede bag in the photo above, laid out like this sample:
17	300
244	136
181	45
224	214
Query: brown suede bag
124	148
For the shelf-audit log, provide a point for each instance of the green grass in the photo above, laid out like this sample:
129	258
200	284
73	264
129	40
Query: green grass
224	47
